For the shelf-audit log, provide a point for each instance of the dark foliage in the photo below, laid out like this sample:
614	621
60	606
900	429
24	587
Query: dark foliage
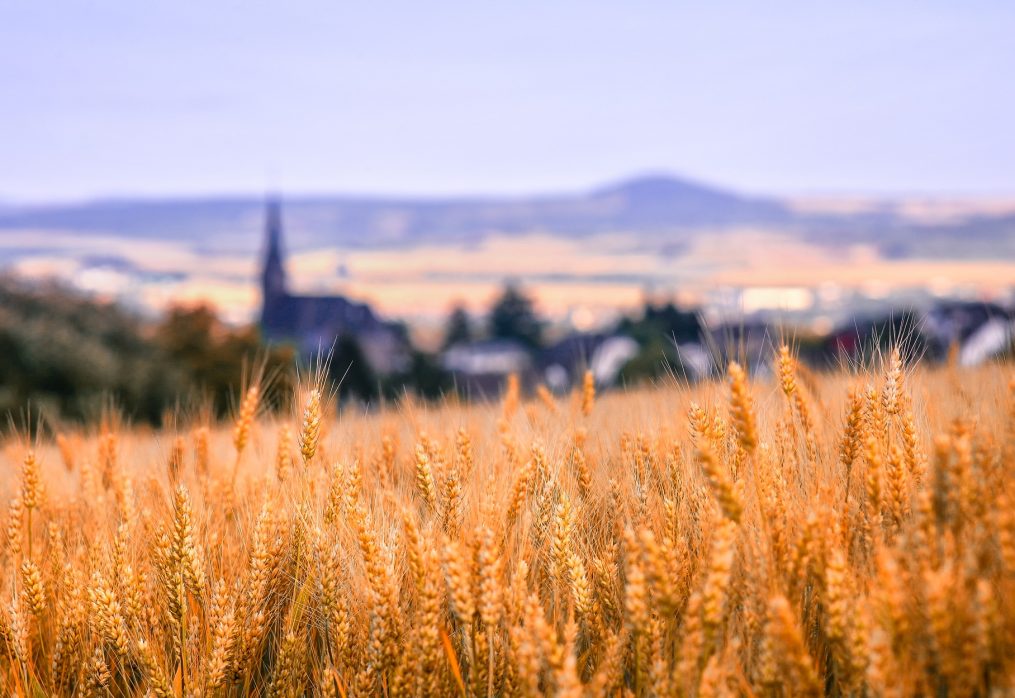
658	331
459	328
513	316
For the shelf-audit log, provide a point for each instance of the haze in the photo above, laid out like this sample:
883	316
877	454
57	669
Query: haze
165	98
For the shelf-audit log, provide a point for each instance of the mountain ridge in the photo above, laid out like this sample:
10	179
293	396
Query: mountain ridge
655	207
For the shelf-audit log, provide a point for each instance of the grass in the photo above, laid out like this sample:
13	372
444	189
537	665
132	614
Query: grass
843	534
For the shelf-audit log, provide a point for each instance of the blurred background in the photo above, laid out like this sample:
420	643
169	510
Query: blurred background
446	193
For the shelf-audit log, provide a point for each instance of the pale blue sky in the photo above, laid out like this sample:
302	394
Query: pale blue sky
162	98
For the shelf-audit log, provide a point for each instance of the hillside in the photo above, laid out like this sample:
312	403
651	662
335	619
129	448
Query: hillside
653	210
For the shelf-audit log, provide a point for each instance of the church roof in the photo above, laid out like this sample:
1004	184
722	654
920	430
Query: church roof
295	316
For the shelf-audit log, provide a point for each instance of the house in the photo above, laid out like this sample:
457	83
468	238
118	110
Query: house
481	368
562	364
748	342
980	331
977	331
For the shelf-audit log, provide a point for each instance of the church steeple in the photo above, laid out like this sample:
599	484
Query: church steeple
273	283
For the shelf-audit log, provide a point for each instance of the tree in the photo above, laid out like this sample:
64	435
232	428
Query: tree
212	354
351	371
514	317
658	331
459	327
656	359
424	376
664	320
68	357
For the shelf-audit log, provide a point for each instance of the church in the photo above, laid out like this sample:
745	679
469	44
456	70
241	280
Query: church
315	323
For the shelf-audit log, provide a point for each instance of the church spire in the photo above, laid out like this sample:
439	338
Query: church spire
273	283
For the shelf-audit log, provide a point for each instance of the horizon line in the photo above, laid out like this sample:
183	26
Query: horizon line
419	196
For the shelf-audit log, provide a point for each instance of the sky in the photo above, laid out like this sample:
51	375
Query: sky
125	98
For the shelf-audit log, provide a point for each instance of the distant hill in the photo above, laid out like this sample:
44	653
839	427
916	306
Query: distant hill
660	210
667	201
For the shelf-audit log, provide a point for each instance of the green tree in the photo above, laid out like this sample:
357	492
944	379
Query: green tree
513	316
424	376
655	359
459	327
213	355
351	371
664	320
657	332
69	356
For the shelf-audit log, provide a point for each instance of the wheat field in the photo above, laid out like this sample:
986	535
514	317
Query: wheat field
848	534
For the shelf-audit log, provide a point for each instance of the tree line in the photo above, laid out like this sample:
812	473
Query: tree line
71	357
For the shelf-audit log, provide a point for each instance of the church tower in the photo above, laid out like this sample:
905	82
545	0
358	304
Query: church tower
273	283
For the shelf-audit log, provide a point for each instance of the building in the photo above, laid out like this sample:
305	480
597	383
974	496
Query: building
480	369
979	331
563	363
315	323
